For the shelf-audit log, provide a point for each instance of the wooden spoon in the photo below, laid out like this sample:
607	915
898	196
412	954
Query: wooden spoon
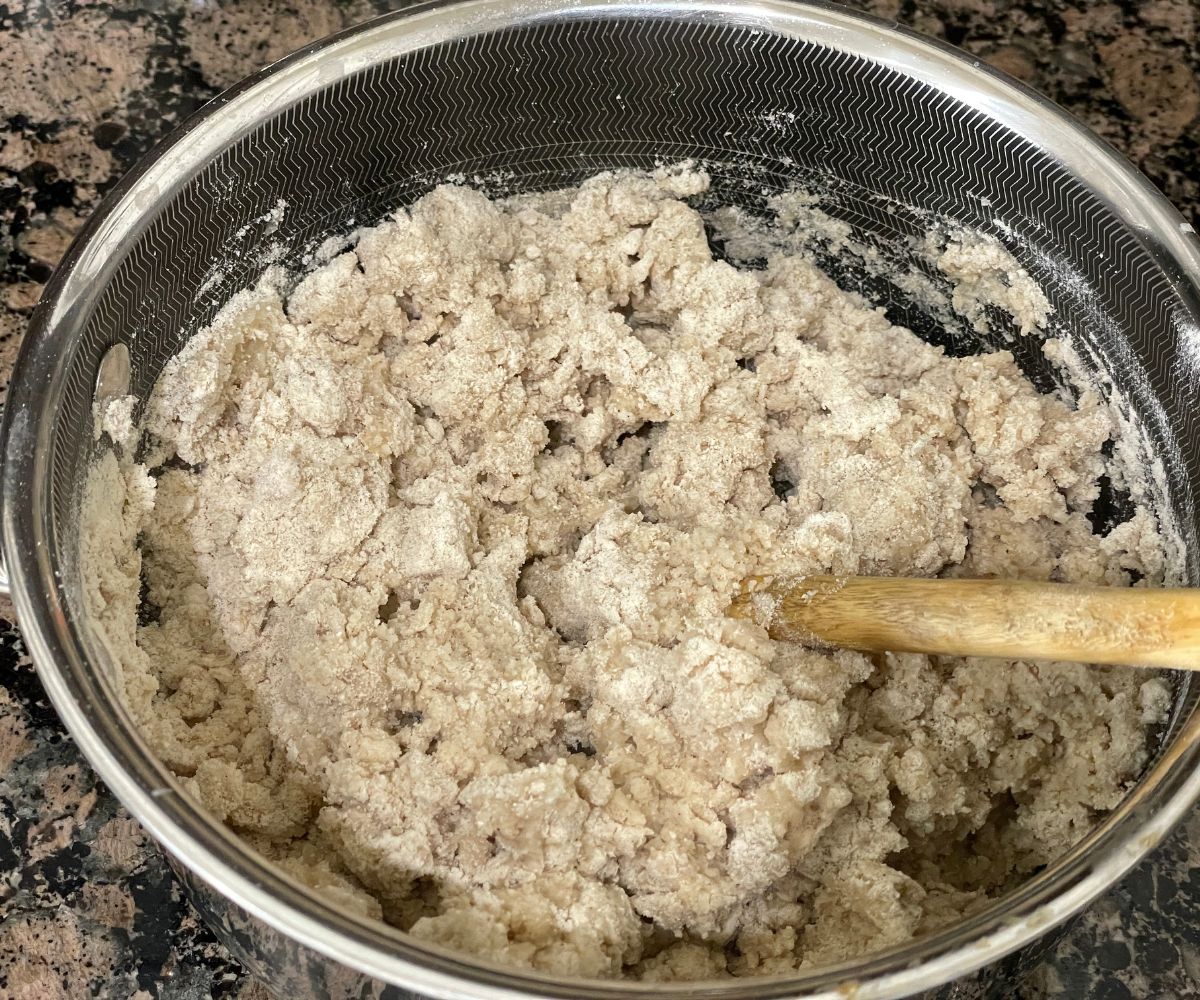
1012	619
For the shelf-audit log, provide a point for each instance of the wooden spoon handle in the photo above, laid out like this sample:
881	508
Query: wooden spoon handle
1012	619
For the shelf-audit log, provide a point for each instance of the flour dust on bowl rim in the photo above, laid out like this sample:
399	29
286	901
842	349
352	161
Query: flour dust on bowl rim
892	129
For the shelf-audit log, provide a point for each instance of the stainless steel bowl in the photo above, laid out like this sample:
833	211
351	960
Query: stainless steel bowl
894	129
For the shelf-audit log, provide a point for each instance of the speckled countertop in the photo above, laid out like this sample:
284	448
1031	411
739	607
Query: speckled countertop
87	907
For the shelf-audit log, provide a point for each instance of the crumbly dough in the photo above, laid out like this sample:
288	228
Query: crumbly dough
435	549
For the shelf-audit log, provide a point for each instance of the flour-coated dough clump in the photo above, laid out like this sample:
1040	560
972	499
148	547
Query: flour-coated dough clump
436	550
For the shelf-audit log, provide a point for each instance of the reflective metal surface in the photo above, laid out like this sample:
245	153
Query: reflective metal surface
894	131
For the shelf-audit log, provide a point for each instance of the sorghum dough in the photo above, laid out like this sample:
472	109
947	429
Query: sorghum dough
436	548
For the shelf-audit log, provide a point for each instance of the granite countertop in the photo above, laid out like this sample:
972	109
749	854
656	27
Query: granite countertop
88	908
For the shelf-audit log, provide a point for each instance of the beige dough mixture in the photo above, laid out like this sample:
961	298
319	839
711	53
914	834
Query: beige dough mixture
418	582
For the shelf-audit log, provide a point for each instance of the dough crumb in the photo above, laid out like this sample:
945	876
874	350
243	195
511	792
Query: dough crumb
986	274
420	586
